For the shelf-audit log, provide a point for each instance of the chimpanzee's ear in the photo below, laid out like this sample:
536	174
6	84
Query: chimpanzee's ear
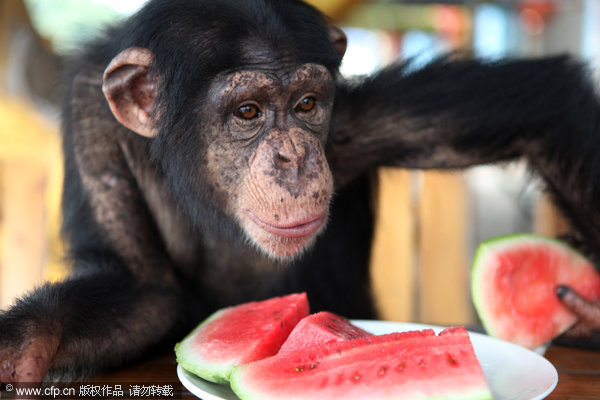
130	90
339	40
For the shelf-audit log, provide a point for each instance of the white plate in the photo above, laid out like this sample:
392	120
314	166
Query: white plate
513	372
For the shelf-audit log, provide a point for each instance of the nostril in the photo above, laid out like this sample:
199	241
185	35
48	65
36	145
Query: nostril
283	158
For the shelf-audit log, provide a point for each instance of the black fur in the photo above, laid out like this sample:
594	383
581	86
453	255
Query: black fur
120	303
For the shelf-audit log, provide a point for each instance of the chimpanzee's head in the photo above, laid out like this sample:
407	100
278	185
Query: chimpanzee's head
238	113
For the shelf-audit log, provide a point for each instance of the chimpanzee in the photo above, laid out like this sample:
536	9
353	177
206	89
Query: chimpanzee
213	155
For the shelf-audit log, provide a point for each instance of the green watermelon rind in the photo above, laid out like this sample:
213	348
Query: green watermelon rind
491	247
191	362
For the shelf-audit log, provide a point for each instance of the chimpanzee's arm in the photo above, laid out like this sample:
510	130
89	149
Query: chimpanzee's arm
453	114
83	326
118	304
122	298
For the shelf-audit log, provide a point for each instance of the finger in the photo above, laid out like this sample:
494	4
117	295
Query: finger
35	360
7	373
587	311
587	342
578	331
579	336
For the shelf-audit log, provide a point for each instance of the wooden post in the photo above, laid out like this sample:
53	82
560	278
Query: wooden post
24	230
30	177
444	269
392	262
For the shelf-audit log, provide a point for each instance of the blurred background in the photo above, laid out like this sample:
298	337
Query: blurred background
429	223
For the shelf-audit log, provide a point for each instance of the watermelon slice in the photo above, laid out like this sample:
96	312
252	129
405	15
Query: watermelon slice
409	365
322	328
514	280
240	334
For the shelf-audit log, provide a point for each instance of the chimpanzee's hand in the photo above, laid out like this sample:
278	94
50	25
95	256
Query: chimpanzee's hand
586	331
26	352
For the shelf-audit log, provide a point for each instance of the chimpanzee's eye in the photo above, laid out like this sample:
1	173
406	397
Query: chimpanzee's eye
306	104
248	111
246	121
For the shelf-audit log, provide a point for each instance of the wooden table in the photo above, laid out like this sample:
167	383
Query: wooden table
578	371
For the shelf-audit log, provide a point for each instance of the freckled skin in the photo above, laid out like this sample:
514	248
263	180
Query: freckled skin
272	165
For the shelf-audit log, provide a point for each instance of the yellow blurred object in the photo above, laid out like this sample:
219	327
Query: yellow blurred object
31	174
334	9
393	265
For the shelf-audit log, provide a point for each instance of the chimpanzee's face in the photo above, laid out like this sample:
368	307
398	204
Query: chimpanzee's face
265	131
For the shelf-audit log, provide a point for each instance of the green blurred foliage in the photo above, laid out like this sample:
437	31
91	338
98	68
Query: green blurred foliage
67	23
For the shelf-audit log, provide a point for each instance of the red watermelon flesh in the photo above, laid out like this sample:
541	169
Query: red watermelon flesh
410	365
322	328
514	281
240	334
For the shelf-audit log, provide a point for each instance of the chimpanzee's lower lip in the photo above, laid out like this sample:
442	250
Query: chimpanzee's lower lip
296	229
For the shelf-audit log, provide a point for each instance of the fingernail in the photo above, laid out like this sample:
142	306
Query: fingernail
561	291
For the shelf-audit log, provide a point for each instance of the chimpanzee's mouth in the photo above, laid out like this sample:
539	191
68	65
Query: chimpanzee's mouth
295	229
